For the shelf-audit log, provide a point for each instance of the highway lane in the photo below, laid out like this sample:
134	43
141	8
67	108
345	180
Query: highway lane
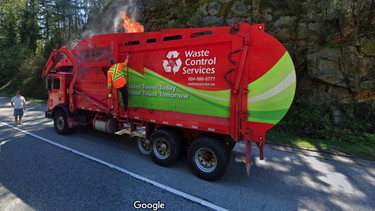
37	175
40	180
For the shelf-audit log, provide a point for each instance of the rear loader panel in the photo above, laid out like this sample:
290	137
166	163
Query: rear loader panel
272	82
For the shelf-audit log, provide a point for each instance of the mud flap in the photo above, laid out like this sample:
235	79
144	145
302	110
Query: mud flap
261	150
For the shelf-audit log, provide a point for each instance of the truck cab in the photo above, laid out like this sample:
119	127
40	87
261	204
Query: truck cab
56	85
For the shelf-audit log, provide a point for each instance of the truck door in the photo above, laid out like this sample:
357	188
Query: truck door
56	89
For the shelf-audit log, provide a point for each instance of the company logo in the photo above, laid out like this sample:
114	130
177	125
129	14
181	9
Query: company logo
173	63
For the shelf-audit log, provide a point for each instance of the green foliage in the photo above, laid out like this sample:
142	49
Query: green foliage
10	60
363	147
305	119
30	75
30	30
314	127
356	122
28	79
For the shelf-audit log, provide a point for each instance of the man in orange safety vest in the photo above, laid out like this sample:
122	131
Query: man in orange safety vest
116	79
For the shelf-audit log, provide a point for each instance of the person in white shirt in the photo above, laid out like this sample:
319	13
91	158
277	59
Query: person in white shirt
19	104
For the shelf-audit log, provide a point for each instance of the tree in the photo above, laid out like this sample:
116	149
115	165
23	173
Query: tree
30	27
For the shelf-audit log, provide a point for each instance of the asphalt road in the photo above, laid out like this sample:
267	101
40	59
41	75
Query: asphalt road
90	170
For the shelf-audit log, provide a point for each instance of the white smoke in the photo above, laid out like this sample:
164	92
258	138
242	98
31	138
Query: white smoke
89	33
131	10
110	21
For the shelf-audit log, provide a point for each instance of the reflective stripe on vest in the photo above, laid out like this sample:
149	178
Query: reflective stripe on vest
115	77
117	74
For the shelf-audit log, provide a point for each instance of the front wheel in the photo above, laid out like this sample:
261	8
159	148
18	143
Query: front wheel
208	157
61	122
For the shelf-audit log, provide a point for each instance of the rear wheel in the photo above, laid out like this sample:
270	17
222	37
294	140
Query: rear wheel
61	122
144	145
166	146
208	157
230	144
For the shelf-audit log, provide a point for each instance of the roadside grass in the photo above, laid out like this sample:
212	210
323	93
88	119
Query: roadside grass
28	99
33	100
9	89
361	146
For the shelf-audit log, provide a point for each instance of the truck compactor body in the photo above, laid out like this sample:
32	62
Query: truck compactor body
194	90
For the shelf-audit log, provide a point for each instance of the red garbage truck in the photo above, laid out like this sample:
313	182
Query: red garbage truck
194	90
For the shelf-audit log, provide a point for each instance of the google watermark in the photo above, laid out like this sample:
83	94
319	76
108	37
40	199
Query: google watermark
158	205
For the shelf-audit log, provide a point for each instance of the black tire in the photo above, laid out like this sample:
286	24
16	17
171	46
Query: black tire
226	140
61	123
208	158
167	146
230	144
144	145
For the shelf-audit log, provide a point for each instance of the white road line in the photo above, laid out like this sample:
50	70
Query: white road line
134	175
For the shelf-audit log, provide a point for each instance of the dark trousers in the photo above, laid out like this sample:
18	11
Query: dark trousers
124	93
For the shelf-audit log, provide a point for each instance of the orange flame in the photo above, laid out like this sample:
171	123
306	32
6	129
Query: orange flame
130	25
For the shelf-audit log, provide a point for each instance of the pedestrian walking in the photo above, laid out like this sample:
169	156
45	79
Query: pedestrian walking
19	104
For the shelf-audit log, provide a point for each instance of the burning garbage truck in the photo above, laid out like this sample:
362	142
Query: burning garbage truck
197	91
